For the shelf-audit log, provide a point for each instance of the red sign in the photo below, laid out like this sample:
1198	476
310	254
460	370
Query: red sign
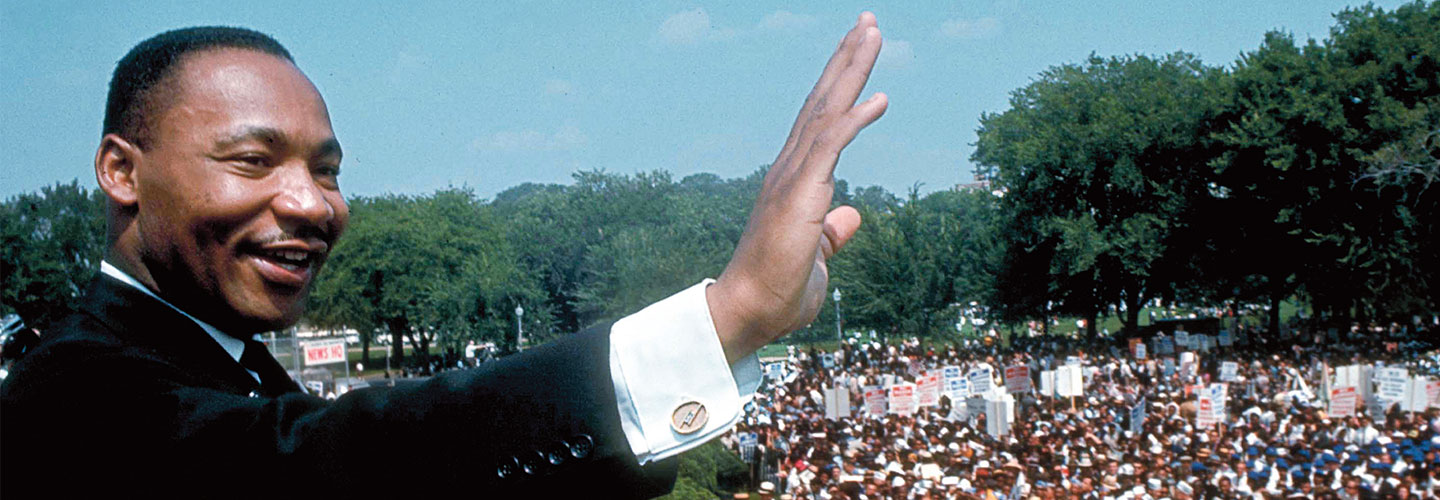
1017	378
1343	401
324	351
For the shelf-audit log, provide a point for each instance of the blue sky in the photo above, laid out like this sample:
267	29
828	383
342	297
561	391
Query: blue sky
427	95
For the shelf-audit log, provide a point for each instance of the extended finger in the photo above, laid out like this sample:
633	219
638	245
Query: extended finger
824	151
852	79
837	63
841	95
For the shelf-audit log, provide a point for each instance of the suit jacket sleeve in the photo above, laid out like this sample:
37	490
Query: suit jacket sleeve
129	395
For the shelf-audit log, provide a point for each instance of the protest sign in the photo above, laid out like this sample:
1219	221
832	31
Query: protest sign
1343	401
1165	345
980	380
1137	417
827	360
1140	353
928	391
1069	382
902	399
999	414
954	385
837	403
1168	367
748	441
1017	378
1047	383
1392	382
1415	399
1228	371
1182	339
974	407
875	401
1432	390
1225	339
916	368
1073	360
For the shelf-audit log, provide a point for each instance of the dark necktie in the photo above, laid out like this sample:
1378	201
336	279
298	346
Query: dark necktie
274	381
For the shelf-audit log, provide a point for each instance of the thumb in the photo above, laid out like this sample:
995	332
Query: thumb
840	224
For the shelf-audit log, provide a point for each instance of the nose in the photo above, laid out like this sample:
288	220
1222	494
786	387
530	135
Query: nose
300	200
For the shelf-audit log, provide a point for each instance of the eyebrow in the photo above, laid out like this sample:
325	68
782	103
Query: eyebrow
330	146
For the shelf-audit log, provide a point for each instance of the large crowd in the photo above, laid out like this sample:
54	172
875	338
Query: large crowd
1274	439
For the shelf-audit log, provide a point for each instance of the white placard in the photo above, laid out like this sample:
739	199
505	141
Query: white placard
320	352
928	391
1228	371
980	381
902	399
1069	382
1017	378
837	403
875	401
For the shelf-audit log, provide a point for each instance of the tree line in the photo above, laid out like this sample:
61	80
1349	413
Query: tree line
1301	170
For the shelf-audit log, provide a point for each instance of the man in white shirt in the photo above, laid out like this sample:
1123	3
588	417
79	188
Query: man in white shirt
222	177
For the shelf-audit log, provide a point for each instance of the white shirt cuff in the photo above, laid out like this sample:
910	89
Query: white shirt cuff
666	355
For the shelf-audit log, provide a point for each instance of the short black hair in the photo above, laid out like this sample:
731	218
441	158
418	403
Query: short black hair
140	75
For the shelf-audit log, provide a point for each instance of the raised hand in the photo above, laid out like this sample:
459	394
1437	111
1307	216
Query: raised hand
776	280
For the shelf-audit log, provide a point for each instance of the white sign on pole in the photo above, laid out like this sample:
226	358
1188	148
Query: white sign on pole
1343	401
1228	371
1017	378
319	352
1073	360
928	391
954	384
980	381
827	360
1047	383
999	415
875	400
975	406
1416	400
902	399
837	403
1392	383
1137	418
1069	382
1140	351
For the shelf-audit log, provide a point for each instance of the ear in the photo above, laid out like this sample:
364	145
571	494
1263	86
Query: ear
115	162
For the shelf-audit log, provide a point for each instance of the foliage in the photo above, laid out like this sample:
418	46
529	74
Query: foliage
51	244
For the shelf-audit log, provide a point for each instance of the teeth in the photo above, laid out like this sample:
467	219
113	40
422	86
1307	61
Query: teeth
297	256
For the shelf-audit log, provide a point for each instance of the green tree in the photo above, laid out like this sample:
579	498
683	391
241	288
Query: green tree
51	244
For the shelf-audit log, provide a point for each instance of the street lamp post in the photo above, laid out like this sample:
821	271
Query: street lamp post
519	328
840	336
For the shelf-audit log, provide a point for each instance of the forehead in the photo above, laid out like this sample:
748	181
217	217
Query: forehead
226	89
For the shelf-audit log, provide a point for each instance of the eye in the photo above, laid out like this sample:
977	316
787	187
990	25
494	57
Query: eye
255	160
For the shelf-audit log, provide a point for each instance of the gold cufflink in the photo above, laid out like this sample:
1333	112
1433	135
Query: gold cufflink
689	417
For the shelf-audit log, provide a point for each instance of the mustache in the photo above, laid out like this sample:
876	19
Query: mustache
304	233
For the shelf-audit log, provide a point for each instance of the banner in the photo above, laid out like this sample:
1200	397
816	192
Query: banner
1228	371
1017	378
837	403
902	399
1343	401
928	391
980	381
319	352
875	401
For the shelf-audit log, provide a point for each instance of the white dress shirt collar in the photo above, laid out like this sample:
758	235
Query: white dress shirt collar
233	346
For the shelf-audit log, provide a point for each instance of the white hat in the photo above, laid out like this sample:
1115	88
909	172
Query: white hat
767	487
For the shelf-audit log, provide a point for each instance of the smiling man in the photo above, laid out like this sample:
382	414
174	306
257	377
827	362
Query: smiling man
222	175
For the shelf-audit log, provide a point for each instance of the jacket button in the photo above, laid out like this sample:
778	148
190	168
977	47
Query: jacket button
557	454
508	468
581	446
533	463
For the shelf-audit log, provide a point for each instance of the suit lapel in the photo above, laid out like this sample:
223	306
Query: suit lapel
148	324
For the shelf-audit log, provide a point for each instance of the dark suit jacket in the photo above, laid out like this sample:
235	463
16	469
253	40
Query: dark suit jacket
128	397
